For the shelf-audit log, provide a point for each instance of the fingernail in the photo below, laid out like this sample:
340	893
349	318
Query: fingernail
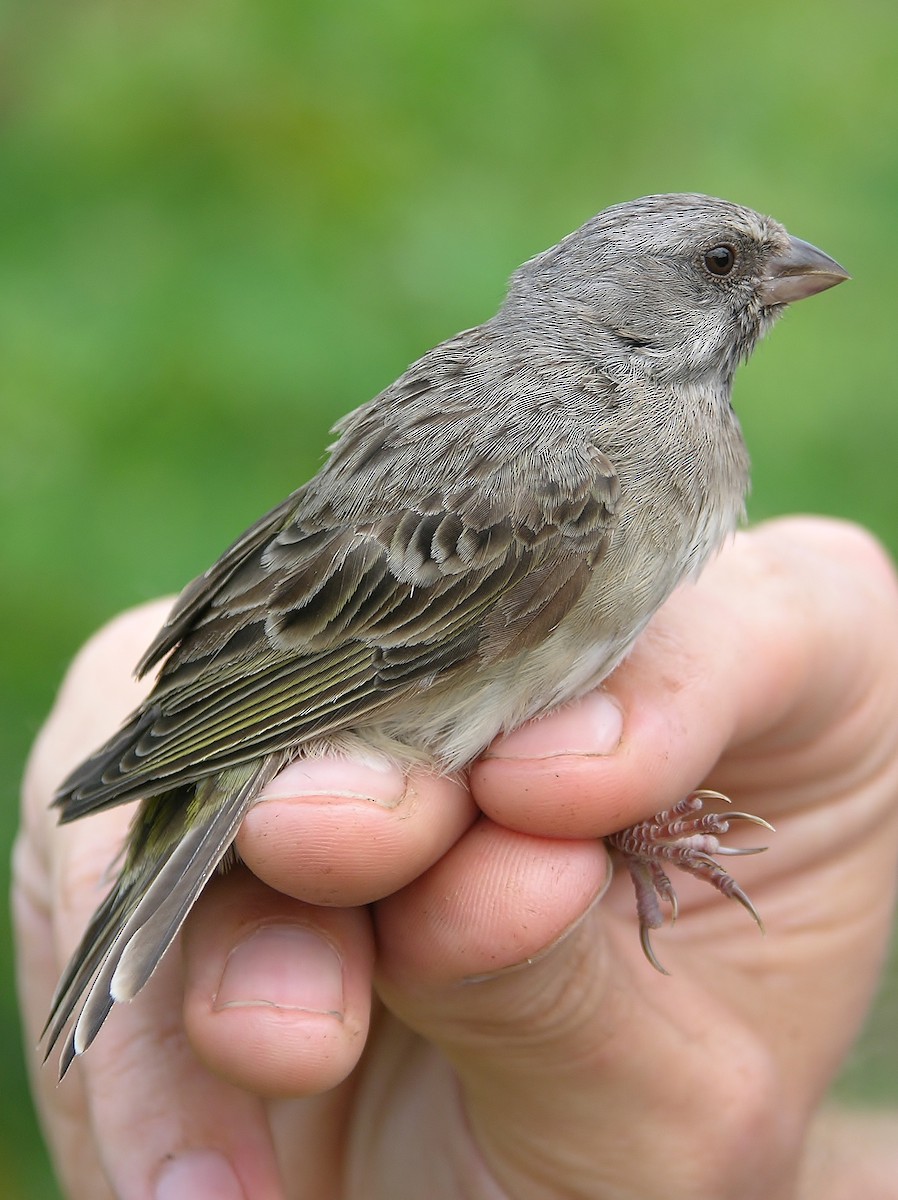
198	1175
593	725
373	778
283	966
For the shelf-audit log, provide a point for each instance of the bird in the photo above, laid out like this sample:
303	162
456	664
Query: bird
484	542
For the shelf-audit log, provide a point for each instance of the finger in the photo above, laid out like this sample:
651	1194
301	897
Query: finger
773	642
139	1109
572	1071
64	1114
155	1118
345	831
299	976
277	992
797	690
166	1126
70	730
652	733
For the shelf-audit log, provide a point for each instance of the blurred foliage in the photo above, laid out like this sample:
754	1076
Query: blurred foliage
224	224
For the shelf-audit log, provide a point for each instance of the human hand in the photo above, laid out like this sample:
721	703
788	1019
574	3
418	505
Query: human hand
519	1046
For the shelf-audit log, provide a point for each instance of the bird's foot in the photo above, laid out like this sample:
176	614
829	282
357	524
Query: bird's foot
688	838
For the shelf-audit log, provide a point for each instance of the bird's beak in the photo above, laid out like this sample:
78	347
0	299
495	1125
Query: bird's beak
801	271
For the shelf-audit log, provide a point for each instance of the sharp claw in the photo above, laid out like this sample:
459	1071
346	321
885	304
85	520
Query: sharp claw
741	816
710	794
738	851
647	950
738	894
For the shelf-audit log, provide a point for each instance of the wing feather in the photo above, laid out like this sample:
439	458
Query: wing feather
318	616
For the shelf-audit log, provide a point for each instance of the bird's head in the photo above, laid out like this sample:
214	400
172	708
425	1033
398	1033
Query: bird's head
680	285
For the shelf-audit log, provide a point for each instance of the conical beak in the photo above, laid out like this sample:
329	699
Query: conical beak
802	271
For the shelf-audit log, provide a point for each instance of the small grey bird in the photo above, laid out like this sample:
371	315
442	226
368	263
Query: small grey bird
486	540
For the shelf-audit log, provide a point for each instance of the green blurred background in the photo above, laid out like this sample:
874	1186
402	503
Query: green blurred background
224	224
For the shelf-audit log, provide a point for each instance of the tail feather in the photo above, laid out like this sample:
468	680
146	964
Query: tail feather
86	961
178	841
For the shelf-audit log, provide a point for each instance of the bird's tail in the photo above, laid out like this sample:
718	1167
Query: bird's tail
177	841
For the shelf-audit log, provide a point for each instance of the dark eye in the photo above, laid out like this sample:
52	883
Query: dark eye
720	260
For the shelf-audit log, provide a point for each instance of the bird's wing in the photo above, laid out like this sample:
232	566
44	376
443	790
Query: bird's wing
338	603
198	593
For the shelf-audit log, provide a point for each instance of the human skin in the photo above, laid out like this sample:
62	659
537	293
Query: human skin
419	988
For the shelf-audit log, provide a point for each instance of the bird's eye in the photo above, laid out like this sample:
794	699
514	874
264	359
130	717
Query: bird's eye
720	260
